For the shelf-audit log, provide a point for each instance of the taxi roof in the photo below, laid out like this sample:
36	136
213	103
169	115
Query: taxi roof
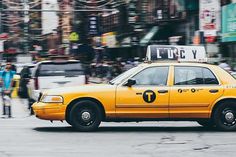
223	76
147	64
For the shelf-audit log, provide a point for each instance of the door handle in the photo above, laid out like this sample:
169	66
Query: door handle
214	91
162	91
139	93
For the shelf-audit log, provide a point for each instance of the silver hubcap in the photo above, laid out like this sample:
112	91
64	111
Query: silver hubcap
86	116
229	117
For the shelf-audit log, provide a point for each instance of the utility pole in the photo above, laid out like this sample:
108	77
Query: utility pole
26	26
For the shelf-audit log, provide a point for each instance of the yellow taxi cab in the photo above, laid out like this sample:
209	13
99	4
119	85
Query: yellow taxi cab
152	91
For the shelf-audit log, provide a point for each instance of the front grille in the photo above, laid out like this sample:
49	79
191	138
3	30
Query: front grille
40	95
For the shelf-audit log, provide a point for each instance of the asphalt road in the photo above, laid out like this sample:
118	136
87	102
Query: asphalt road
27	136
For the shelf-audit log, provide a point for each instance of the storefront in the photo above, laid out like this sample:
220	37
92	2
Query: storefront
229	31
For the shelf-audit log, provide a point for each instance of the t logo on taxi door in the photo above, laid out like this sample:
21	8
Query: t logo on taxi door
149	96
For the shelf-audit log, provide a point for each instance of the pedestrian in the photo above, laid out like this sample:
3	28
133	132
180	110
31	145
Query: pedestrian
7	85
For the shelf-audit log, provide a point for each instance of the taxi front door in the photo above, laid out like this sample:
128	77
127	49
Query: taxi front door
148	98
193	92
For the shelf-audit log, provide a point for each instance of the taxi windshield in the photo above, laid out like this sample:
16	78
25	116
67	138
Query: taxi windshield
121	77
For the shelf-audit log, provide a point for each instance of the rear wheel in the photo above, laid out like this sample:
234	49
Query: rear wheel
225	116
85	116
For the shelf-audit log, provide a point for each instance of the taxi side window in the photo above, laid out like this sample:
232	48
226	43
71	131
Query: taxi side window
188	76
152	76
209	77
194	76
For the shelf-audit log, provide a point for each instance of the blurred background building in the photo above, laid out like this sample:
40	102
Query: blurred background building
119	28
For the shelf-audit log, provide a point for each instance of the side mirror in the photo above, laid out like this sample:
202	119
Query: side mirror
131	82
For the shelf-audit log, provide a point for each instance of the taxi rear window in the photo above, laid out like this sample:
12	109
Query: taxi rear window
61	69
194	76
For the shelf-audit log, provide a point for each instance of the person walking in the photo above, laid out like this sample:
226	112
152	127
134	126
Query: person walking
7	84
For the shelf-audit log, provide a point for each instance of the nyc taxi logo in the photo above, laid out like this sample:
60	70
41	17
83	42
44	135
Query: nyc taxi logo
149	96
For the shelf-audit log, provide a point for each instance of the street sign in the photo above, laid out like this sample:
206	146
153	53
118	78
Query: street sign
93	25
209	14
74	36
229	23
178	53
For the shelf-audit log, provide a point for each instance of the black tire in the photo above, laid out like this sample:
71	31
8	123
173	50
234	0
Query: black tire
206	123
85	116
225	116
68	119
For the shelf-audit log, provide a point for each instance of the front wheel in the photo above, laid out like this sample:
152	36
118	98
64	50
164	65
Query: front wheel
85	116
206	123
225	116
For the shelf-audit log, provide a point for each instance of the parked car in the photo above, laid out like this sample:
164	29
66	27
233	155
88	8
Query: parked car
54	74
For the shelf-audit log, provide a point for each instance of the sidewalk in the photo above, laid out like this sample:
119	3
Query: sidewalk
19	108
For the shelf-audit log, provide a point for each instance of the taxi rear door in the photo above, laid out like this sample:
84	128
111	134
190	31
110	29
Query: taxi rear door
194	90
148	98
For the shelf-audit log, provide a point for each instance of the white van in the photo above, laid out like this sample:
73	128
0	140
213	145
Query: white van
54	74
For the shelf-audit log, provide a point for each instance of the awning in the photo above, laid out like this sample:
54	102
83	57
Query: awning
148	37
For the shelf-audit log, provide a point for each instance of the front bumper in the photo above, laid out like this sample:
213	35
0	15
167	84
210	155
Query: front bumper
49	111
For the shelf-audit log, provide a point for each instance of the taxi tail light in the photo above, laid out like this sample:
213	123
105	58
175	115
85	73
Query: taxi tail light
36	83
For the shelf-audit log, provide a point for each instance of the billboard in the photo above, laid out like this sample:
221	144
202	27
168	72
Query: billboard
49	18
209	17
229	23
109	39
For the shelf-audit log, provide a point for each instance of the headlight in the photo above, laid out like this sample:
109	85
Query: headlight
52	99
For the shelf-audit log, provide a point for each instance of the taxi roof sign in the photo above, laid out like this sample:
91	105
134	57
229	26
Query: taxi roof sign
176	53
